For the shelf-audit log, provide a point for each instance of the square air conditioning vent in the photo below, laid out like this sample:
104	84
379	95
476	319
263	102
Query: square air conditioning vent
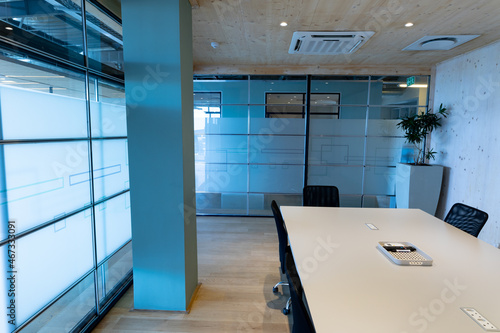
328	42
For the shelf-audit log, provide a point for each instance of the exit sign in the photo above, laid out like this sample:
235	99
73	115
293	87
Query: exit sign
410	81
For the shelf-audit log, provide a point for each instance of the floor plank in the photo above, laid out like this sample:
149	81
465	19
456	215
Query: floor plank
238	266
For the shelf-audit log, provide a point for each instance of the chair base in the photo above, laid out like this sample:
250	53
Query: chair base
286	309
281	283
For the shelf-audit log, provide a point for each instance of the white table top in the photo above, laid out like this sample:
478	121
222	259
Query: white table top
351	287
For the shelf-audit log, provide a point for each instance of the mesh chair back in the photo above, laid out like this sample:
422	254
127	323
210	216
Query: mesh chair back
302	323
466	218
282	234
324	196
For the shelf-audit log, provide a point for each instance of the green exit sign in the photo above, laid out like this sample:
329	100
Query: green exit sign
410	81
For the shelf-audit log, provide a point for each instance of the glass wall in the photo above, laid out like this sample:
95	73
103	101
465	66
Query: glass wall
65	235
252	148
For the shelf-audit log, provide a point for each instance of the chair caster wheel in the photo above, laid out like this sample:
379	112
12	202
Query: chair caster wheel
275	289
286	311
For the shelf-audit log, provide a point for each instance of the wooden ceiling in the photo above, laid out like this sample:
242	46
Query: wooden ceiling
251	39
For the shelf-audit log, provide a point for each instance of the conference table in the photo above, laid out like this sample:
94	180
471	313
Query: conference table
352	287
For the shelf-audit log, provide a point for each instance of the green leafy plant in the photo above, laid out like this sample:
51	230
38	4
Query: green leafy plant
416	129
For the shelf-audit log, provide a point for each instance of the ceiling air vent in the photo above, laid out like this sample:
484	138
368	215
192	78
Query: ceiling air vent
443	42
329	42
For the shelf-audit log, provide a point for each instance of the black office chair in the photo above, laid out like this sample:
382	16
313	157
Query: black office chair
302	323
283	246
325	196
466	218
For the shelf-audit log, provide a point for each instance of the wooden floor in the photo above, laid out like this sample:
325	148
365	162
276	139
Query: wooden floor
238	266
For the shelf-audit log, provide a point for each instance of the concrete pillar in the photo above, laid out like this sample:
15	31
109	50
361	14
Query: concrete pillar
159	87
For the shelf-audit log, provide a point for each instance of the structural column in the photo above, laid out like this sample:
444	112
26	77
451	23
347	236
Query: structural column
159	87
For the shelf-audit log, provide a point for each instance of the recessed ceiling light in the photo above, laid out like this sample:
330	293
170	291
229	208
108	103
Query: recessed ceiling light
8	28
409	24
283	24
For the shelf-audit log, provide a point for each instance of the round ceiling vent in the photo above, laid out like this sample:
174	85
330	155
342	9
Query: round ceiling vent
439	43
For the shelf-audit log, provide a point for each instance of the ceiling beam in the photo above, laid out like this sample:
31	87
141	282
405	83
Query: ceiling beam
313	69
194	4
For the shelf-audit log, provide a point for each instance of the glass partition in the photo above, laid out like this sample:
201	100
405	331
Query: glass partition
65	232
54	27
251	135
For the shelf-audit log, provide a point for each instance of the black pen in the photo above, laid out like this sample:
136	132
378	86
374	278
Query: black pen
400	248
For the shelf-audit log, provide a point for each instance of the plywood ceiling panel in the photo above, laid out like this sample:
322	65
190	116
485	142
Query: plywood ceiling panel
250	36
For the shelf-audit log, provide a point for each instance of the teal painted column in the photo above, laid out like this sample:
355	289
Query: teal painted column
159	88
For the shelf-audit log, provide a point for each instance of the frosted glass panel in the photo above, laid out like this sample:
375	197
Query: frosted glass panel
234	203
28	114
108	119
384	127
221	177
380	180
110	167
237	125
113	225
50	260
353	127
221	148
384	151
50	179
282	126
347	179
379	201
274	149
336	150
276	178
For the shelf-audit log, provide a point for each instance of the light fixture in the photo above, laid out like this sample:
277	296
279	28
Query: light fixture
404	85
283	24
409	24
9	28
14	82
38	76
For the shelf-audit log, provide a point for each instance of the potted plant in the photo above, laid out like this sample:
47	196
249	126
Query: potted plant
418	184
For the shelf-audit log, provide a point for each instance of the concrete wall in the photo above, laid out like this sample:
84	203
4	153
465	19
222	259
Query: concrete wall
468	143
